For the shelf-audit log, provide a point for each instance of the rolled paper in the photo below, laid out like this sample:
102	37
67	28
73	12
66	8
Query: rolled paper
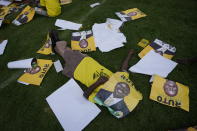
20	64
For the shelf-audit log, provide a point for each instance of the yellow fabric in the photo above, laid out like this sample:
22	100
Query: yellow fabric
143	43
30	15
137	16
180	100
91	45
88	72
149	48
134	96
36	79
53	7
46	49
4	12
191	129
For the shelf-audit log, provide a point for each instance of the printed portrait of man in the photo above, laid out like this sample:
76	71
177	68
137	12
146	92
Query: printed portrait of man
33	70
115	99
83	43
47	43
170	88
130	14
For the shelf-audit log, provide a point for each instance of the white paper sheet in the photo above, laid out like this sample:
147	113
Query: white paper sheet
64	24
107	36
94	5
2	46
5	2
154	64
20	64
73	111
58	66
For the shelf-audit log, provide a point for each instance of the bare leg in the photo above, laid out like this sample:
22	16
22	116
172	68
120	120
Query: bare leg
125	65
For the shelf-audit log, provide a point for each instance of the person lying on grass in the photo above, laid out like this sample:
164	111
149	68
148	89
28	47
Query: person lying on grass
112	90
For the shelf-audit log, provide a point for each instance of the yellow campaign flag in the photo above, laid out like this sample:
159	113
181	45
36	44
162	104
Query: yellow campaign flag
119	95
130	14
143	43
170	93
35	75
25	16
46	49
83	41
160	47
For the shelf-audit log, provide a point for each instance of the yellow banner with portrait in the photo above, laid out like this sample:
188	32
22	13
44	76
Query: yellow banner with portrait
130	14
159	47
25	16
170	93
83	41
46	49
35	75
119	95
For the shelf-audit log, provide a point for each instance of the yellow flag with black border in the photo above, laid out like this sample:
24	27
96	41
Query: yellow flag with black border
25	16
83	41
130	14
35	75
170	93
46	49
160	47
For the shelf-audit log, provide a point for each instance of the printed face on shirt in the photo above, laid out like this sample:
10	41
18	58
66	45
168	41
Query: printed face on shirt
83	43
33	70
170	88
121	90
132	14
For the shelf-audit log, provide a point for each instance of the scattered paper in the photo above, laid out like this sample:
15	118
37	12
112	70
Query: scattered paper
107	37
159	47
72	110
170	93
2	46
35	75
130	14
58	66
64	24
83	41
95	4
154	64
5	2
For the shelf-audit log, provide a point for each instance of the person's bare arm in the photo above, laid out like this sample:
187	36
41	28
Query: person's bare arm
100	81
125	64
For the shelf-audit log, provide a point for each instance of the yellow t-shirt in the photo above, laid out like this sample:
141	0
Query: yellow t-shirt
88	72
53	7
170	93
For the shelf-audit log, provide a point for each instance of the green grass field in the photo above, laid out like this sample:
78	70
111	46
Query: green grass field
24	108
